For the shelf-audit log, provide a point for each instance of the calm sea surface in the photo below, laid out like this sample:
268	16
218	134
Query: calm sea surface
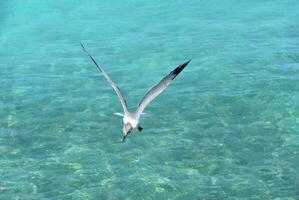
226	128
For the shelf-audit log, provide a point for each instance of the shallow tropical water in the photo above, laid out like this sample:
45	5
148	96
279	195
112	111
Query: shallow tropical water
226	128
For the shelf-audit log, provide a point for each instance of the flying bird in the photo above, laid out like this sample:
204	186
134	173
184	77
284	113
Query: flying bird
131	119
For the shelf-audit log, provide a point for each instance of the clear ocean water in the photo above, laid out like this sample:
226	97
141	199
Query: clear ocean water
226	128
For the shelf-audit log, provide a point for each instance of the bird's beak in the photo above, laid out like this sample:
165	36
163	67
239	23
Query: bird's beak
124	138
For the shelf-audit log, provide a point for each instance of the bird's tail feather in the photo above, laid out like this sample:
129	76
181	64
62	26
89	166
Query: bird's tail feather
122	114
119	114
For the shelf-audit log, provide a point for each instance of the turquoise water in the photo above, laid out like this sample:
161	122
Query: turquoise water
226	128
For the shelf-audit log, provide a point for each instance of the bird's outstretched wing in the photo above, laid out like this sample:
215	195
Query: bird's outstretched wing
160	87
113	85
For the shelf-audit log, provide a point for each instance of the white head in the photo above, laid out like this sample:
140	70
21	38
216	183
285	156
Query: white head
126	130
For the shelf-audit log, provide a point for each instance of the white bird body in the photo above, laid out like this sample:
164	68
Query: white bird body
131	120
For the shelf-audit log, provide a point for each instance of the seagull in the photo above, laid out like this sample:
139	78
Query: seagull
131	119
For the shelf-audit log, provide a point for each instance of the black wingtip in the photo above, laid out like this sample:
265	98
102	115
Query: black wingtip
185	64
180	68
83	47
